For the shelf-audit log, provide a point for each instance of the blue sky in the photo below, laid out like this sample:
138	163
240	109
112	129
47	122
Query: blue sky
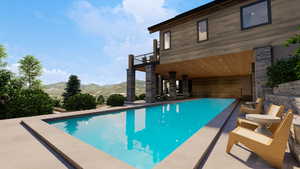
88	38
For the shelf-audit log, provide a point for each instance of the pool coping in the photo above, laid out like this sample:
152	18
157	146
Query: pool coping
82	155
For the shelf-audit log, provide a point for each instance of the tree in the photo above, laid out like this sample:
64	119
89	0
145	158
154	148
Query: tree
3	55
100	99
73	87
10	87
30	68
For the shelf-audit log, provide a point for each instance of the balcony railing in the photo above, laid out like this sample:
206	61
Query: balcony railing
147	58
143	59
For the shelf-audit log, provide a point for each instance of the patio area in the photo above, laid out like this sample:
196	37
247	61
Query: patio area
240	157
19	148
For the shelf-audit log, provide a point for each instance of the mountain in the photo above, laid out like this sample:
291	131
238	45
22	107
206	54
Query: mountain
57	89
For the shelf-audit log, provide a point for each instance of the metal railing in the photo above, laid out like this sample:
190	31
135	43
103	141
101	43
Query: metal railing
143	59
148	57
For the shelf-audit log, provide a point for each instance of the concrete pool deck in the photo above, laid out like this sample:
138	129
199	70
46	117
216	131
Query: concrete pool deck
240	157
20	149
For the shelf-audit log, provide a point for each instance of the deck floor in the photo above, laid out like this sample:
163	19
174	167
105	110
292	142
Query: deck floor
240	157
19	149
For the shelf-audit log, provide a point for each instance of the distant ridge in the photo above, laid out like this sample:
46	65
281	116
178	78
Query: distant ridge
56	89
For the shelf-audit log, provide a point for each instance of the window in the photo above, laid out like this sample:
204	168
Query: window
256	14
202	27
167	40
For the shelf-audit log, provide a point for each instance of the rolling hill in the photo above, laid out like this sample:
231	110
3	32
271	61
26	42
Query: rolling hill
57	89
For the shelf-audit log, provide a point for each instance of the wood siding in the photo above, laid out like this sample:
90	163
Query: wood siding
225	34
227	87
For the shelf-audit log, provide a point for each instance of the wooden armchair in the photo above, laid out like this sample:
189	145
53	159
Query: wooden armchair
257	110
272	148
273	110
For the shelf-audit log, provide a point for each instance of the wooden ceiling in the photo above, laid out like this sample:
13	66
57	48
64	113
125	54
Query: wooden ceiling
237	64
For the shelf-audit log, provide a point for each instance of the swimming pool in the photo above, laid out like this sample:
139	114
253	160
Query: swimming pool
144	137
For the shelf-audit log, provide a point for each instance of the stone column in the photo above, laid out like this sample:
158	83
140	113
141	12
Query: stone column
172	81
150	83
185	86
165	88
159	85
263	59
180	86
130	80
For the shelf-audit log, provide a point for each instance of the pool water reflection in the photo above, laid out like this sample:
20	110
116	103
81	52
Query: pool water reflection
144	137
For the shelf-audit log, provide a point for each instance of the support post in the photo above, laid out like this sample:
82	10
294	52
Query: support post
150	83
263	59
130	80
180	86
160	85
155	51
172	81
165	88
185	86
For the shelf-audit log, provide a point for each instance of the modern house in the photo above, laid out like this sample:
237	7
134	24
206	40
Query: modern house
221	49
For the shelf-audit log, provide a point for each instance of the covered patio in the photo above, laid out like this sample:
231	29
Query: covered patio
223	76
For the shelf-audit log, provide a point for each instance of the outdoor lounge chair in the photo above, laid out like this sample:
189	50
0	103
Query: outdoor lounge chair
273	110
257	110
272	148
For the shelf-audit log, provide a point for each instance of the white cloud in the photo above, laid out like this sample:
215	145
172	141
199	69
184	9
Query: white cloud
49	75
147	11
54	75
123	29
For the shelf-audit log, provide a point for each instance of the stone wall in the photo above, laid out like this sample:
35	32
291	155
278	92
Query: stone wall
263	59
291	88
287	94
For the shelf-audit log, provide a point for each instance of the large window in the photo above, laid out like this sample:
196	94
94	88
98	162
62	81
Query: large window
167	40
202	30
256	14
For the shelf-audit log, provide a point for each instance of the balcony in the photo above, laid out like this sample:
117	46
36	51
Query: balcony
145	59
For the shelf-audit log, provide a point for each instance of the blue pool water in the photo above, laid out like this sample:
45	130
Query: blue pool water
144	137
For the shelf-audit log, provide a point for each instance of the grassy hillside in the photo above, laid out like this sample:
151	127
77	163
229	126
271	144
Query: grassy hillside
56	89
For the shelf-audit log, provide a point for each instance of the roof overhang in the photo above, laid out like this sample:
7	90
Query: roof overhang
233	64
201	9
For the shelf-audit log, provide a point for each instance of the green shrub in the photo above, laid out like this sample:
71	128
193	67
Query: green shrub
80	102
28	102
115	100
142	96
284	71
56	102
100	99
